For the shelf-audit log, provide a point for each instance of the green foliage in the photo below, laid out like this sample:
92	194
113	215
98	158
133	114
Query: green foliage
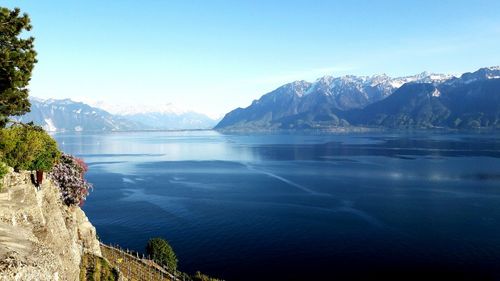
3	172
162	253
26	147
94	268
17	59
198	276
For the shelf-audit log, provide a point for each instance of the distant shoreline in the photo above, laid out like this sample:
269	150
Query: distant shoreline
318	130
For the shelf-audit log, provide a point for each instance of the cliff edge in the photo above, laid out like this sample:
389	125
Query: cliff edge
40	237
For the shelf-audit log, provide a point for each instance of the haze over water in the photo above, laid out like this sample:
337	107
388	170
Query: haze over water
299	206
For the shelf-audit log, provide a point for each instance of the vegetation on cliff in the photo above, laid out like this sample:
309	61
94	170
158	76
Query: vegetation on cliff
162	253
94	268
68	174
25	147
3	171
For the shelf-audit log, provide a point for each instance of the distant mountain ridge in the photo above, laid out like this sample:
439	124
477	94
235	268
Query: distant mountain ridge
171	121
118	108
159	116
68	115
424	100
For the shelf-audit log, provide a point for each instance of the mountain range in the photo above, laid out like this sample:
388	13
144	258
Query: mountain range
426	100
160	116
68	115
421	101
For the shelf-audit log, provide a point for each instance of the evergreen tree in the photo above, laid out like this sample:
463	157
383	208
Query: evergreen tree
162	253
17	59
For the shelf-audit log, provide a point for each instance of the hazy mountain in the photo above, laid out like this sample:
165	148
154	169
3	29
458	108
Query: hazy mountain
320	104
169	121
68	115
160	117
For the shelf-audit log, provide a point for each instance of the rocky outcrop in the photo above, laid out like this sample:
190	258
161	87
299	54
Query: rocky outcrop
40	237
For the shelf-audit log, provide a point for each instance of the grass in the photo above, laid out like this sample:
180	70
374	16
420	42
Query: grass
94	268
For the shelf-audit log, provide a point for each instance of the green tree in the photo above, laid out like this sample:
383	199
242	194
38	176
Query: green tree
162	253
28	147
17	59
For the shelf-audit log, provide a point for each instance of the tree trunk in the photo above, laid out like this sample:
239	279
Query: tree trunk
39	177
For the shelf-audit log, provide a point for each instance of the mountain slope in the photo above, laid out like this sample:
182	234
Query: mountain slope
171	121
277	104
420	101
160	116
411	105
68	115
471	101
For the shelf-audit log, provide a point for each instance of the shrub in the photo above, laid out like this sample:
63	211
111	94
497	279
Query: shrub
28	147
3	172
198	276
162	253
68	174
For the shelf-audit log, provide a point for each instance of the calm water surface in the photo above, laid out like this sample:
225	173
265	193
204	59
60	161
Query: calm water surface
300	207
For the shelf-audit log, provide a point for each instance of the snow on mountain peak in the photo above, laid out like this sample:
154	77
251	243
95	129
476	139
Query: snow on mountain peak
52	101
335	86
377	80
129	109
492	72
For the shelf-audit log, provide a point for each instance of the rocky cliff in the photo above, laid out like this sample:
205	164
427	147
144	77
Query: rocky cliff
40	237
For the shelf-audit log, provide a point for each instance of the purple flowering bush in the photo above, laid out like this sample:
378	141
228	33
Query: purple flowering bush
68	175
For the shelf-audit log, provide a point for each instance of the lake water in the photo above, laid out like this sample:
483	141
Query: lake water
301	206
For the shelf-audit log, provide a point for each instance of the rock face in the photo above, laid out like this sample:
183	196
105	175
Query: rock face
40	237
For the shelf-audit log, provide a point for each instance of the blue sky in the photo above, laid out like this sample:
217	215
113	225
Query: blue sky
214	56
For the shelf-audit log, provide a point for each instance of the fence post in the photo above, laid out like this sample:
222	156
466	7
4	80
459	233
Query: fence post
123	257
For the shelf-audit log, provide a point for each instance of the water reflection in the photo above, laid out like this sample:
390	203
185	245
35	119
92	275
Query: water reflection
303	204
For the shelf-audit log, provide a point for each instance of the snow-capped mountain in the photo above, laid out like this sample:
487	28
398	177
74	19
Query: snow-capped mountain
159	117
340	101
172	121
68	115
481	74
358	91
129	109
471	101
